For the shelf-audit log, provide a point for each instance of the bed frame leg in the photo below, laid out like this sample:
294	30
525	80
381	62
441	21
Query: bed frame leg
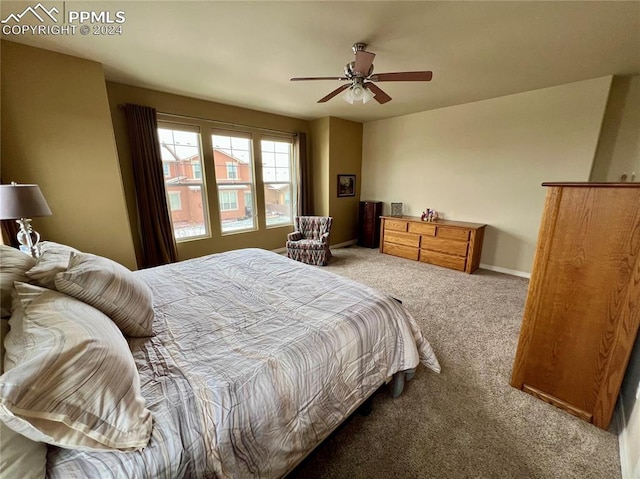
366	407
397	384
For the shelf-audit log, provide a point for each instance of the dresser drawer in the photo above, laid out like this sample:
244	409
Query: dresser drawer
452	247
395	225
400	250
406	239
441	259
422	229
459	234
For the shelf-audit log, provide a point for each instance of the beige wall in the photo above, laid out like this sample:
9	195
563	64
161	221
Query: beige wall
56	132
319	146
345	145
484	162
336	148
272	238
618	151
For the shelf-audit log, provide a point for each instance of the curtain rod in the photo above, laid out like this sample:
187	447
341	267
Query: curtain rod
237	125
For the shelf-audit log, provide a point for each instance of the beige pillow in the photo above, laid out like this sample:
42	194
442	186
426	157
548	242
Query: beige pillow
77	385
54	257
111	288
13	338
19	456
13	266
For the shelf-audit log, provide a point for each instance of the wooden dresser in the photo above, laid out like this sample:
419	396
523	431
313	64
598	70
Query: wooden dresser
582	312
369	224
452	244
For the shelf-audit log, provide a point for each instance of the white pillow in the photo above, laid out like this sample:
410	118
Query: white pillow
77	385
111	288
54	257
13	267
19	456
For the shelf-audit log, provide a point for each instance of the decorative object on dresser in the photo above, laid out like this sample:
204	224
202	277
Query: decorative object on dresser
396	209
452	244
582	312
369	224
429	215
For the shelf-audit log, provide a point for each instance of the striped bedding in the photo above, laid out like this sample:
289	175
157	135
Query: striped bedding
255	359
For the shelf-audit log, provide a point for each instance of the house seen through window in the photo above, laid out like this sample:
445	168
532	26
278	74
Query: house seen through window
233	160
182	168
230	162
277	176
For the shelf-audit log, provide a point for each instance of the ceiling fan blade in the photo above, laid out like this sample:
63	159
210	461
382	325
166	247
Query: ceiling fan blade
380	96
364	60
334	93
318	78
403	76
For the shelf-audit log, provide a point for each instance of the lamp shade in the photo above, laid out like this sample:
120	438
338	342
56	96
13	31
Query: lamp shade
22	201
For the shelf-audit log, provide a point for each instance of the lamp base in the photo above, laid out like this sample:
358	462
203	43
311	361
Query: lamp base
28	238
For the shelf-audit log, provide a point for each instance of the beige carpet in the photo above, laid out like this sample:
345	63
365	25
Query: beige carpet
466	422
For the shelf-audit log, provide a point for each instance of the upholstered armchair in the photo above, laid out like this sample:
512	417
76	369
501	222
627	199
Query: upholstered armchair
309	243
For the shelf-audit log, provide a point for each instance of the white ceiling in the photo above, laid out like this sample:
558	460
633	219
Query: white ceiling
243	53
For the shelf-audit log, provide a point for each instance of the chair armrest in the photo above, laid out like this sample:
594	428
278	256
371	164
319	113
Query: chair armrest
324	239
295	236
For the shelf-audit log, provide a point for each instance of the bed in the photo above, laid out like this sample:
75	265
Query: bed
253	360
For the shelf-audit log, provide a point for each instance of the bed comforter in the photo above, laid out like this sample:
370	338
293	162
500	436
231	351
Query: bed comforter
255	359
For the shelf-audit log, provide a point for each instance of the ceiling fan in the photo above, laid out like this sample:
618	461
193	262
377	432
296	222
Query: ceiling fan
359	74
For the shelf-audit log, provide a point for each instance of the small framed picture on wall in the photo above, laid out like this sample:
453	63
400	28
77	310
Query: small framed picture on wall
346	185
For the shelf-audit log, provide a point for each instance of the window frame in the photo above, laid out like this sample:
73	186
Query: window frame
167	124
256	193
250	185
289	139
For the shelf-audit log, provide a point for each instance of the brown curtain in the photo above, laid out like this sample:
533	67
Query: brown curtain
158	243
305	197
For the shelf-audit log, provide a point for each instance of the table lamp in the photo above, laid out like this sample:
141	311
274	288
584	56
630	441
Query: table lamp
21	203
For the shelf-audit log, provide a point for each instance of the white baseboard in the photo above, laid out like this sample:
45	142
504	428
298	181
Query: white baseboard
345	244
626	468
512	272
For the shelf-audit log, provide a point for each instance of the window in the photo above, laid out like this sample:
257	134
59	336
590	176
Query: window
233	161
174	201
277	175
228	200
232	171
197	171
184	187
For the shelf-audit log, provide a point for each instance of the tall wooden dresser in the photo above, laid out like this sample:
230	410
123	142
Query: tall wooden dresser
369	223
582	312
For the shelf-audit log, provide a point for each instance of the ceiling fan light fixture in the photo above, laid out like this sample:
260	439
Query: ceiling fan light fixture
357	92
361	80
